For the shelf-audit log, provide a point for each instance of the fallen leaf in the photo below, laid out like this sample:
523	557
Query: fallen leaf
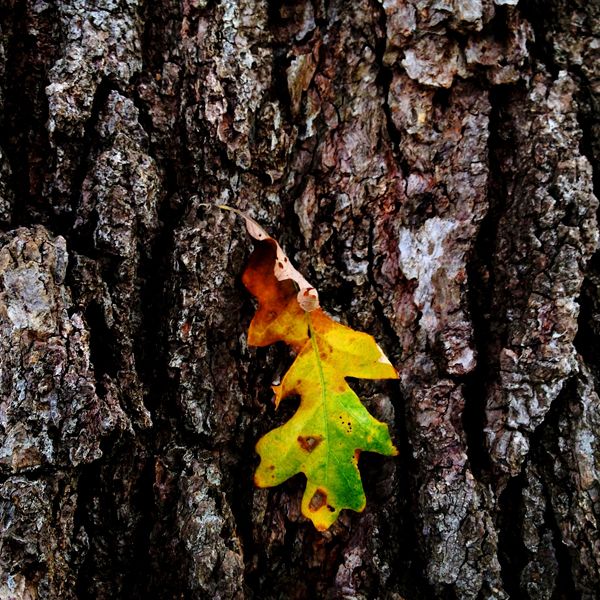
331	427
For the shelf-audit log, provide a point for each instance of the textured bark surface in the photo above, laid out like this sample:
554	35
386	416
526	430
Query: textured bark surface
428	164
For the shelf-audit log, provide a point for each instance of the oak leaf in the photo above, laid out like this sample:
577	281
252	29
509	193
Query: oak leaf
325	436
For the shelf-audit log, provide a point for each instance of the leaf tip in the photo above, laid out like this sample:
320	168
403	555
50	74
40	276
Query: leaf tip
278	395
259	481
383	359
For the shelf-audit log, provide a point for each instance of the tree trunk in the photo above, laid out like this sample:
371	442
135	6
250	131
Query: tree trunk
427	164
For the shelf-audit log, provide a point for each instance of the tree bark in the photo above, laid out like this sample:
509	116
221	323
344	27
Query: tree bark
429	165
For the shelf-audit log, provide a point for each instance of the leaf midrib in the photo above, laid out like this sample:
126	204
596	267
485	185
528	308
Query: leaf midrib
315	347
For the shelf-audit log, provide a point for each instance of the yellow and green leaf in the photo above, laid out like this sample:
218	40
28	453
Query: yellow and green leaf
331	427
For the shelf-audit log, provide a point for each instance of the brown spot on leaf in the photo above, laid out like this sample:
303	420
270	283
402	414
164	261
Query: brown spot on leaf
318	500
310	442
